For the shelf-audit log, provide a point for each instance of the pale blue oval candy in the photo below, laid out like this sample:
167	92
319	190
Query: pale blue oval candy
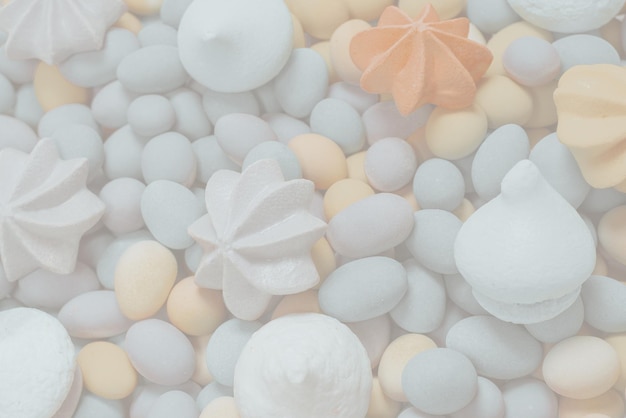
174	403
438	184
289	164
152	69
363	289
528	396
605	303
340	122
564	325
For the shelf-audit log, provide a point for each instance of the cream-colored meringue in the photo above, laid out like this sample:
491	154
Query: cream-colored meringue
257	237
527	252
303	366
45	208
53	30
236	45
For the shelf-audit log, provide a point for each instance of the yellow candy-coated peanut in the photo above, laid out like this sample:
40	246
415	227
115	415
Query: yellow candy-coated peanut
107	370
195	310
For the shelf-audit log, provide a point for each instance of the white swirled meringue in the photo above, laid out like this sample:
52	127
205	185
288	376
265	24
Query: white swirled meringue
53	30
45	209
257	237
303	366
526	252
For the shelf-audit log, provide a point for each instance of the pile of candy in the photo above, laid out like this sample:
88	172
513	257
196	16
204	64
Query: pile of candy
312	209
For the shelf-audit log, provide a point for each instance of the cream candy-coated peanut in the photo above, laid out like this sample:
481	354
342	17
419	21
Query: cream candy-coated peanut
446	9
610	404
395	357
222	407
504	101
144	7
380	405
144	276
130	22
501	40
356	166
195	310
303	365
321	159
581	367
567	16
611	233
344	193
367	9
321	18
259	32
618	342
54	90
340	50
516	275
323	256
304	302
454	134
106	370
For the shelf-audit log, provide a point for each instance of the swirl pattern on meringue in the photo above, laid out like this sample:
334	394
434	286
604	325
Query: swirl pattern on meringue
257	237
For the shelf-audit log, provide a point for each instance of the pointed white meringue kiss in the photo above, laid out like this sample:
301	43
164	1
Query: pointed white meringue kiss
527	252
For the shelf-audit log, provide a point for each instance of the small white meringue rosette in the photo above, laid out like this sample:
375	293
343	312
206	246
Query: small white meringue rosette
257	237
37	363
54	30
236	45
45	208
303	366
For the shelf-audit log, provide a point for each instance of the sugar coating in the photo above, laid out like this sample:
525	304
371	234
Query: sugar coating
390	164
150	115
106	370
438	184
290	358
583	49
603	299
168	156
37	360
174	402
529	396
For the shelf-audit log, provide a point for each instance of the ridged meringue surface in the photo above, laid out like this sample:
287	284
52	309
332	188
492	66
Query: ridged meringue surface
257	237
45	209
53	30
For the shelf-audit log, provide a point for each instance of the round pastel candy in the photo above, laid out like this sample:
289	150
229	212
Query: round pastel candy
302	83
454	134
605	304
355	96
286	127
174	403
160	352
564	325
371	225
496	156
225	346
169	156
122	198
122	154
567	16
36	362
152	69
157	33
363	289
278	151
218	104
460	292
44	289
144	276
560	169
531	61
423	306
337	120
498	349
69	114
193	309
383	120
431	241
374	334
583	49
321	159
80	141
7	95
94	314
344	193
95	68
238	133
191	119
438	184
390	164
210	157
106	370
488	402
439	381
151	115
581	367
146	396
110	104
503	101
235	34
490	15
529	397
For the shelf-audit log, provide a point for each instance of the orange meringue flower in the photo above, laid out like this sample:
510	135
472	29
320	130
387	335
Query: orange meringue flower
420	61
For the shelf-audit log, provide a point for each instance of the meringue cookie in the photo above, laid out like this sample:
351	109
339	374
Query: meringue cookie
52	31
257	237
45	208
237	45
527	252
303	366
